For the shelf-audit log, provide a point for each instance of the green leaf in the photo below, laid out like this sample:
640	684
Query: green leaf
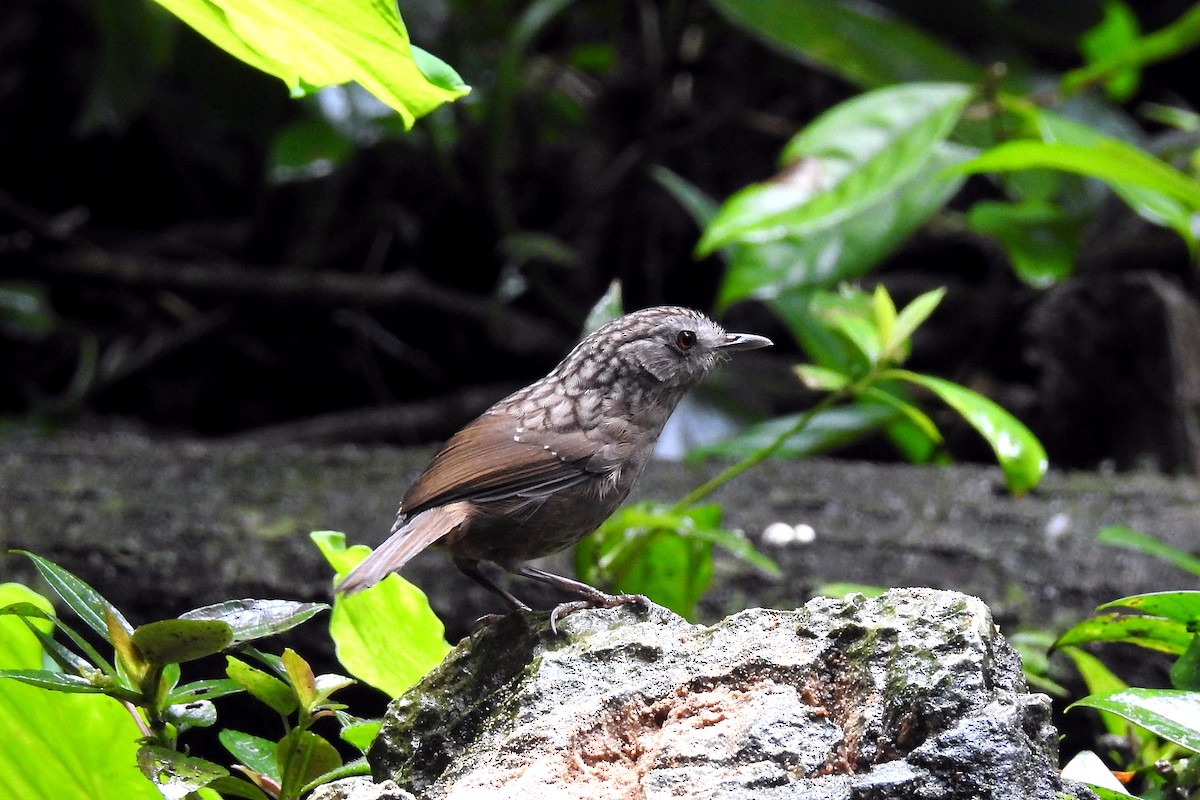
1185	672
1040	238
67	660
913	315
236	787
1112	161
203	690
827	431
360	734
304	756
255	752
174	774
821	379
848	160
862	42
1122	536
1167	42
255	619
1116	32
327	42
267	688
78	595
301	677
57	681
386	636
1022	457
1099	679
772	270
25	308
193	714
96	760
1172	714
1154	633
174	641
1182	607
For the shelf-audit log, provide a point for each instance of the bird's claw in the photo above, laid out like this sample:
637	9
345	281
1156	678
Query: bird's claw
601	601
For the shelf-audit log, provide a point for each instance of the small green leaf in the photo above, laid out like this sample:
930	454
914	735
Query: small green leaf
209	689
1185	672
884	317
78	595
387	636
174	774
1099	679
1122	536
267	688
301	676
606	309
1182	34
913	315
859	331
236	787
255	619
360	734
67	660
1118	31
172	641
56	681
193	714
1022	457
821	379
1172	714
1040	238
1154	633
304	756
255	752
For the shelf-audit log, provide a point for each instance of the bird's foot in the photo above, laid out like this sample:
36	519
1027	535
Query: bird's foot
600	600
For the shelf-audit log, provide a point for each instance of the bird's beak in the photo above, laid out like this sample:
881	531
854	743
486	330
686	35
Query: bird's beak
744	341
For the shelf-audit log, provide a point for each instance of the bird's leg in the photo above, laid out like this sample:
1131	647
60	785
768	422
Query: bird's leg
469	567
592	597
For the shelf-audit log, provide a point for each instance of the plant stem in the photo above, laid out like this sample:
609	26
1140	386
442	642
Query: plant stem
706	488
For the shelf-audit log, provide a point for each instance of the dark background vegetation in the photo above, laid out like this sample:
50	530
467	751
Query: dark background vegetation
198	254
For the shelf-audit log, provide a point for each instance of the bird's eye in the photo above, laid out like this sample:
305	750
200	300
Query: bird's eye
685	339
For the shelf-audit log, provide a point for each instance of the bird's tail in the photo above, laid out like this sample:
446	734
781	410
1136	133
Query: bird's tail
414	536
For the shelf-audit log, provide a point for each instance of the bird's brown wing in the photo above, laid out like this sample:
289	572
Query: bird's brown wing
490	460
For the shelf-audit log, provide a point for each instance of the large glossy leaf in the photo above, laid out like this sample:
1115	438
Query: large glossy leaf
254	619
1170	713
314	43
386	636
1182	607
97	759
822	258
862	42
1154	633
1111	161
1021	456
846	161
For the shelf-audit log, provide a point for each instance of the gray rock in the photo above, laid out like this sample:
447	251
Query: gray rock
911	695
359	789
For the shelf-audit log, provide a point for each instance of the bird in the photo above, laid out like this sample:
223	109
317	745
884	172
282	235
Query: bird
545	466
